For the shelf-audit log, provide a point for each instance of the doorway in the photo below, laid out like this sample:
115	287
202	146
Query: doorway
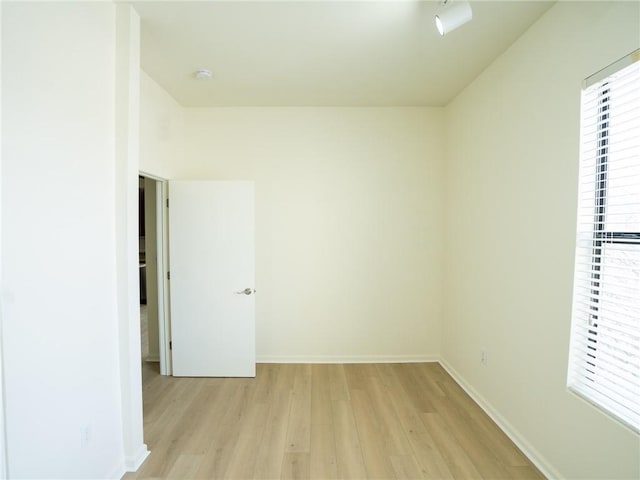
152	258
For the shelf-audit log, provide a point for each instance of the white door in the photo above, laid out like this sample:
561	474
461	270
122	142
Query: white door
211	256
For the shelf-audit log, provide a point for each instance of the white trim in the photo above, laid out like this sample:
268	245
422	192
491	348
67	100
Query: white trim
3	430
417	358
117	472
151	176
529	451
623	62
152	359
599	410
127	114
162	255
133	463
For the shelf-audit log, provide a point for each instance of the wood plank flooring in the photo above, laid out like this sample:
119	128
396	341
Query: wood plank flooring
365	421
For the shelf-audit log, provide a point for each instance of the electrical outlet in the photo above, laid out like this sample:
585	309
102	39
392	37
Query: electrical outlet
484	357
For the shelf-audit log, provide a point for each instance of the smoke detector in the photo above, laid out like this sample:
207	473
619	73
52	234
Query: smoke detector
203	75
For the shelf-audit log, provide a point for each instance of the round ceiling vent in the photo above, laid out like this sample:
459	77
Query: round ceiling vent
203	75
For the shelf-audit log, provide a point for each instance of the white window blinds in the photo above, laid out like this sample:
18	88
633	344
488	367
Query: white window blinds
604	364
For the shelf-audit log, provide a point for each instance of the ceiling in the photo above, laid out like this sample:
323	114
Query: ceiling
322	53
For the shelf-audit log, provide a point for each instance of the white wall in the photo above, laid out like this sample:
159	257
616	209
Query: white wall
3	430
512	159
161	129
349	218
127	143
58	247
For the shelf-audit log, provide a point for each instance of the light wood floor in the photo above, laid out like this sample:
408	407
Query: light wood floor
383	421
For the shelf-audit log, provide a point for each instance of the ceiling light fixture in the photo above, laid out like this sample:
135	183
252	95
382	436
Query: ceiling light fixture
203	75
455	14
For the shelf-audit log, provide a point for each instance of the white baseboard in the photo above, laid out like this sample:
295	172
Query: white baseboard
532	454
418	358
132	463
116	474
152	359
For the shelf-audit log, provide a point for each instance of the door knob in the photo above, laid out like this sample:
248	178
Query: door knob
246	291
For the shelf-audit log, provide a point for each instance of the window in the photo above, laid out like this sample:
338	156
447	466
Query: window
604	363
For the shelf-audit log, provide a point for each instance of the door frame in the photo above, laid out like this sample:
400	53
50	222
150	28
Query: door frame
162	279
